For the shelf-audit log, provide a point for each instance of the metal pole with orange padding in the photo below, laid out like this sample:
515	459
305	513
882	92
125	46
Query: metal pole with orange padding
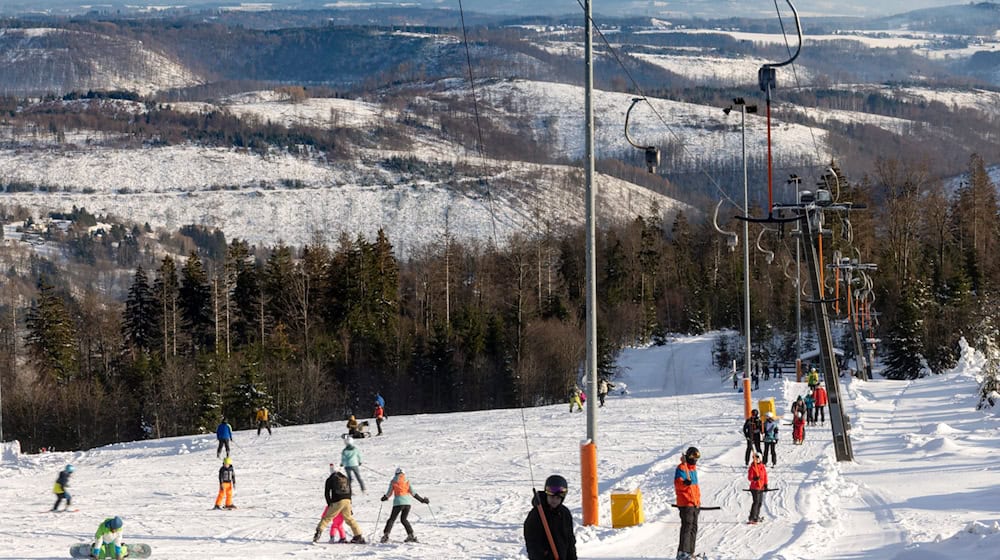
588	482
747	398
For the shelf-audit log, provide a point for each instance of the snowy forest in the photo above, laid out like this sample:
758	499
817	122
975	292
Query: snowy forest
216	327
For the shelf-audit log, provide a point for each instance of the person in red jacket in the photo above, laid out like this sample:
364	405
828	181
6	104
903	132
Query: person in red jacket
821	398
379	415
757	475
688	501
799	428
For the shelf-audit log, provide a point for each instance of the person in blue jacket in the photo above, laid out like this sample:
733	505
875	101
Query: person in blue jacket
379	400
60	488
224	433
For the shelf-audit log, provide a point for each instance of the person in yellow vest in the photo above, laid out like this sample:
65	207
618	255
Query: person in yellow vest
263	420
404	494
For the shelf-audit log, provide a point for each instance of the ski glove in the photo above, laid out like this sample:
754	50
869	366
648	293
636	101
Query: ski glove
384	498
687	483
425	500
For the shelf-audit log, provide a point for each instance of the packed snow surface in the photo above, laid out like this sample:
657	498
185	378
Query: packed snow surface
922	485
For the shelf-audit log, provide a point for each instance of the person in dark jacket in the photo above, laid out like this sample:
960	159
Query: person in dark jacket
752	430
559	521
60	488
338	501
224	433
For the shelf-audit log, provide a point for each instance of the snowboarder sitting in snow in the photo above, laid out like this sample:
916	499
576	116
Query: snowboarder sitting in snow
108	540
356	429
60	488
338	501
263	420
400	487
227	483
558	519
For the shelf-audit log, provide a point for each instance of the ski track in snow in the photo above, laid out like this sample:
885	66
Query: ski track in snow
922	486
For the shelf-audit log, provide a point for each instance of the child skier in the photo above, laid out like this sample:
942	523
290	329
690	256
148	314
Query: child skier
379	415
108	540
798	429
400	487
574	399
338	502
60	488
227	483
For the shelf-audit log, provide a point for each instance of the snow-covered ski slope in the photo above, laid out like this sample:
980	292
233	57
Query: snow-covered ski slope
923	486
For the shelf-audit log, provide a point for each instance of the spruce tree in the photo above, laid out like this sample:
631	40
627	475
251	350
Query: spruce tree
141	320
195	304
51	339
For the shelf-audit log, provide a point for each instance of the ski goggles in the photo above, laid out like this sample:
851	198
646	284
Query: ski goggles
556	491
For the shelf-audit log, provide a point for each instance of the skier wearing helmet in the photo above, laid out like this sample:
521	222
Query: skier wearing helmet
227	483
770	439
60	488
557	523
688	501
108	540
404	494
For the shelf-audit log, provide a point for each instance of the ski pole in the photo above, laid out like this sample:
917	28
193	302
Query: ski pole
373	470
434	517
377	517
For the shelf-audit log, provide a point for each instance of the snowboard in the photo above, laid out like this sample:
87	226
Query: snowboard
133	550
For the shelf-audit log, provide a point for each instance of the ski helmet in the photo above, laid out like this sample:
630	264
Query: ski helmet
115	523
399	470
348	440
556	485
770	414
692	454
755	412
227	461
69	468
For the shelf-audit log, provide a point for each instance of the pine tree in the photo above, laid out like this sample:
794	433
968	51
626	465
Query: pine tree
51	338
903	345
141	320
195	304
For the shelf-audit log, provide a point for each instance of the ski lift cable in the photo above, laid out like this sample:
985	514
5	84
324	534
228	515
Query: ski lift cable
638	88
795	74
479	128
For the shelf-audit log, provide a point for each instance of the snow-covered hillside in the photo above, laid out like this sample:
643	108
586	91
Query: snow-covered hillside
922	486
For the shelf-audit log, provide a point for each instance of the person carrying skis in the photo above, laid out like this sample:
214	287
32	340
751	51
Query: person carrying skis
798	429
350	459
752	430
224	433
379	415
338	501
549	518
757	475
688	501
108	540
227	483
770	438
62	482
819	394
263	420
404	494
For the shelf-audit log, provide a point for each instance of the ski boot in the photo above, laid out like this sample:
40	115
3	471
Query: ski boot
358	539
217	507
410	538
385	538
681	555
316	535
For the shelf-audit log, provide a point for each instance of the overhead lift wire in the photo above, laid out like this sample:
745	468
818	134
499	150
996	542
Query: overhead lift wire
642	94
479	129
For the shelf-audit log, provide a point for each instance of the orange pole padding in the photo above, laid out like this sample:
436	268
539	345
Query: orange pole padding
836	291
822	277
850	305
588	482
747	398
798	370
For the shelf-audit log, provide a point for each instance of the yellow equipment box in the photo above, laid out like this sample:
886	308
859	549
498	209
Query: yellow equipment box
626	509
765	406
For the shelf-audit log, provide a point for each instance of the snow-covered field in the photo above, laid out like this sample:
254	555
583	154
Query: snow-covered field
922	486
